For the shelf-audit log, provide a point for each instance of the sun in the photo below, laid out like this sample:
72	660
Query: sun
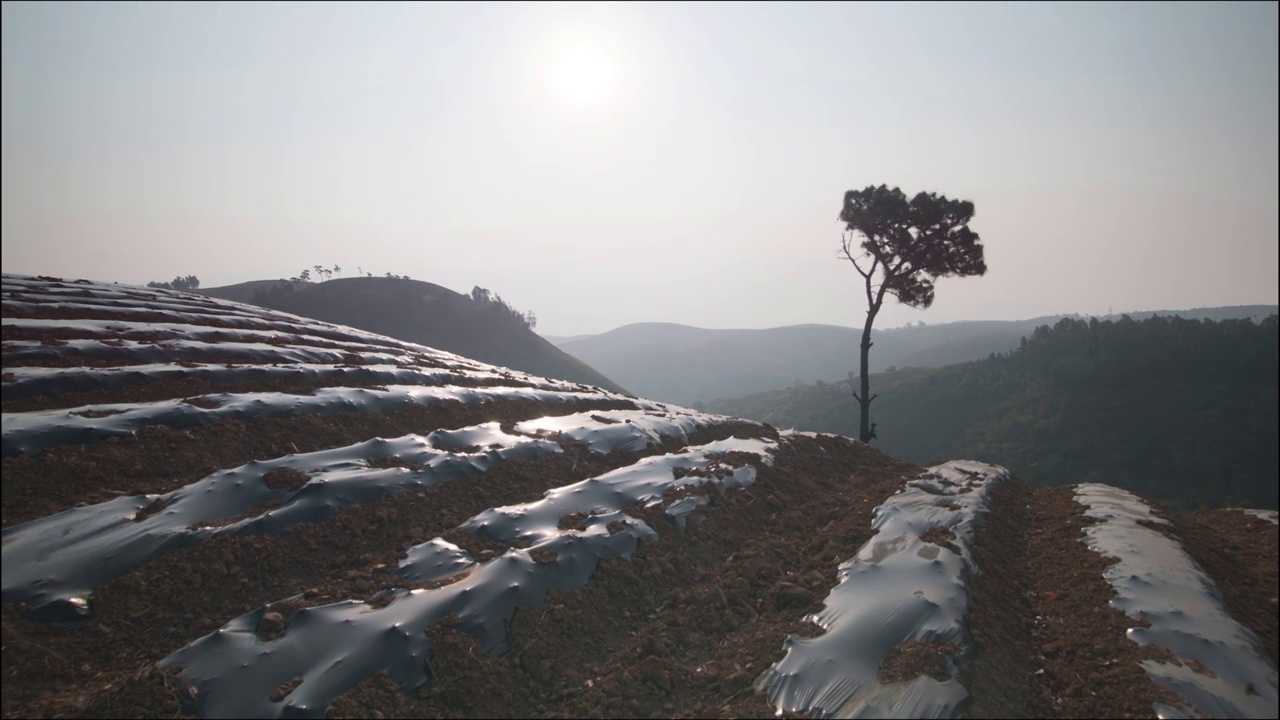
583	76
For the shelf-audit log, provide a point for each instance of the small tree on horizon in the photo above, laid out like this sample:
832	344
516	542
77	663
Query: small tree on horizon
181	282
900	247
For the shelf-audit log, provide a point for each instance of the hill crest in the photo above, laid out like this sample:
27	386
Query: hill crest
420	312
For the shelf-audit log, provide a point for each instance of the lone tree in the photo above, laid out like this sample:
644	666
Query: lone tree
900	247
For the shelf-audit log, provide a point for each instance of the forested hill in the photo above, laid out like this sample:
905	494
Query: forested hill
1178	409
480	326
684	364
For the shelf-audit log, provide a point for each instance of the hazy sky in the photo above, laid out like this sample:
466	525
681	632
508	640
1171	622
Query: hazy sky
608	164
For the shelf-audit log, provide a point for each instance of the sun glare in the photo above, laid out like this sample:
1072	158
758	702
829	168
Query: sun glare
583	76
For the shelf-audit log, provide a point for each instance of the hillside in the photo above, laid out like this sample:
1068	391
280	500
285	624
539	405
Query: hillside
679	363
218	510
420	312
1178	410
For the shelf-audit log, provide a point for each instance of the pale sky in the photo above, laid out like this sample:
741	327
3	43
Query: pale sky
609	164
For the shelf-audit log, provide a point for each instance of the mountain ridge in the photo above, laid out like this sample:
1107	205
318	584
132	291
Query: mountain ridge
650	358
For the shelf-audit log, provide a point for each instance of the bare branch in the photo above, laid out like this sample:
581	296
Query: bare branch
846	249
858	267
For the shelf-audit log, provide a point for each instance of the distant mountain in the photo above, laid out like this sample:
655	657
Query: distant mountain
684	364
1180	410
423	313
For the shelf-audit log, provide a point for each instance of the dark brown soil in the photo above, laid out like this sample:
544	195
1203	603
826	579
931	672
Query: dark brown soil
1005	683
1087	667
116	338
180	596
1239	551
286	479
213	317
941	536
684	628
160	459
193	386
913	658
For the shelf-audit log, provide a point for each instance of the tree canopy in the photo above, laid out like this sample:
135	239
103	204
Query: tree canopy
911	243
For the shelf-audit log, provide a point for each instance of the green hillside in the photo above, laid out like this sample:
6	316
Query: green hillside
684	364
1178	409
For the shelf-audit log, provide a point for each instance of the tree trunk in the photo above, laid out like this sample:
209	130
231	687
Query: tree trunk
865	433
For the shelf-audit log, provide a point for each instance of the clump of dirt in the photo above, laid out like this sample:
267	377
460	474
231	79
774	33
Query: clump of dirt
286	479
682	472
943	536
271	626
285	689
913	658
394	461
543	557
574	521
275	621
203	401
150	509
96	413
480	548
1199	667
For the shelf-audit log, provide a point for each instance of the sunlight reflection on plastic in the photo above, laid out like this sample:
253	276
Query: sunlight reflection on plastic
897	588
334	647
1155	580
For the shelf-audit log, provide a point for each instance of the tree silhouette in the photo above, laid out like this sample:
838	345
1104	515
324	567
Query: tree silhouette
338	269
181	282
905	246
